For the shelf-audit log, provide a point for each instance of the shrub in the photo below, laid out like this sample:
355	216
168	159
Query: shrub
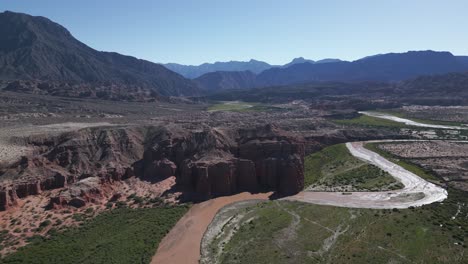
117	241
45	223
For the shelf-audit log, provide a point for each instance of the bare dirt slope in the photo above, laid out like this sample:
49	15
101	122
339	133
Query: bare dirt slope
11	151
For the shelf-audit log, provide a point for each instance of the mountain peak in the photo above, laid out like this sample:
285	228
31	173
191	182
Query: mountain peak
299	59
192	72
36	48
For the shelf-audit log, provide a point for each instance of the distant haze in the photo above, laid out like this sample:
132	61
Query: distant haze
194	32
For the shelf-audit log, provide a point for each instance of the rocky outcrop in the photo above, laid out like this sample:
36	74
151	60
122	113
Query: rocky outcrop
222	162
78	195
105	153
206	162
8	198
10	193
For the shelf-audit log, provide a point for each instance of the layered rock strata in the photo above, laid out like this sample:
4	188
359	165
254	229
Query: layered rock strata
207	162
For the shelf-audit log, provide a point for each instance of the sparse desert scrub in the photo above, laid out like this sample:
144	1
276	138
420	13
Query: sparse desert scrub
334	167
294	232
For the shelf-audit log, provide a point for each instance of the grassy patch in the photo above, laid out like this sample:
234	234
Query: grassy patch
402	114
260	231
370	121
334	166
293	232
427	175
117	236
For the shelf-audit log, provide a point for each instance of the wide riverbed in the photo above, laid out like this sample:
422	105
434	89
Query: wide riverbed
182	244
416	192
408	121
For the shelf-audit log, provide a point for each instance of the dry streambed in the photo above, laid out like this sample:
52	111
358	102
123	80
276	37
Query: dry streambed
410	122
183	244
417	191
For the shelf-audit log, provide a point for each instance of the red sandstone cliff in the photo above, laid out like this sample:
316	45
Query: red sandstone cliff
206	163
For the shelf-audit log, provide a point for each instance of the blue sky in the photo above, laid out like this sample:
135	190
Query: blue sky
275	31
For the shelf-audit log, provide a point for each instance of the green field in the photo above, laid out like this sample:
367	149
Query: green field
427	175
117	236
369	121
294	232
335	167
238	106
402	114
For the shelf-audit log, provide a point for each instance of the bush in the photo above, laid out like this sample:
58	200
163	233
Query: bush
45	223
138	200
121	204
111	237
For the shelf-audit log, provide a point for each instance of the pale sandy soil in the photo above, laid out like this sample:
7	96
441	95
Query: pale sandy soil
182	244
11	152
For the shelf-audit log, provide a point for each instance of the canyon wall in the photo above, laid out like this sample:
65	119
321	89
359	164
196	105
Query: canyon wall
207	162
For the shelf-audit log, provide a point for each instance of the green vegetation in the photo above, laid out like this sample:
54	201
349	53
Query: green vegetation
405	163
117	236
293	232
237	106
334	166
400	113
369	121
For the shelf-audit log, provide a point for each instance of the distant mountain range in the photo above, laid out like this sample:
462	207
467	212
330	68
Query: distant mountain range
222	80
255	66
35	48
437	89
191	71
389	67
41	57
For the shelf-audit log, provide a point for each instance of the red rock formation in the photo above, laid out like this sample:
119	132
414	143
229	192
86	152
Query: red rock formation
78	195
206	163
210	163
246	175
18	190
159	169
8	198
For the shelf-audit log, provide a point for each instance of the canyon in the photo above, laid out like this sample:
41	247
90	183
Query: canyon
206	162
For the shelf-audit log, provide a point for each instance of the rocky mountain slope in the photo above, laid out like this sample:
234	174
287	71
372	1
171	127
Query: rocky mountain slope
35	48
386	67
218	81
392	67
441	85
255	66
206	162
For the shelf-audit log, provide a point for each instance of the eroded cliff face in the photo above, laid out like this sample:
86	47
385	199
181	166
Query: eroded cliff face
207	162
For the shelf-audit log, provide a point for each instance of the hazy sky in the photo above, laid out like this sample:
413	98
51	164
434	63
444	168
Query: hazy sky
275	31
